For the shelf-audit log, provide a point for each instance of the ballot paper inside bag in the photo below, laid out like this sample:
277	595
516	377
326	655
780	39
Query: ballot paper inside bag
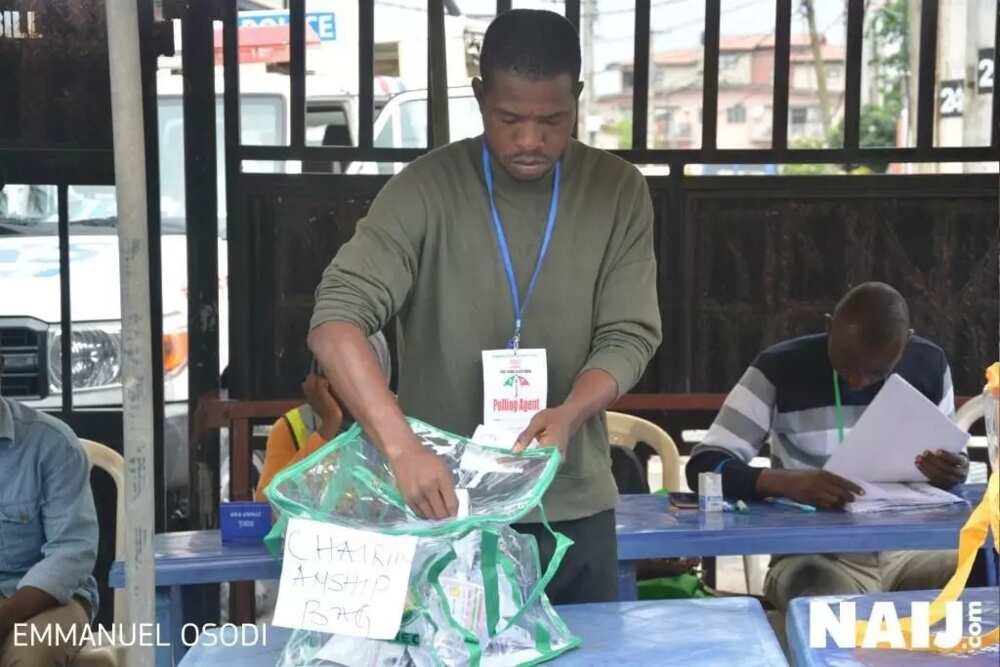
476	587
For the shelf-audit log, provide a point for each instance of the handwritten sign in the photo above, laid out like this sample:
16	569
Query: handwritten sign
343	581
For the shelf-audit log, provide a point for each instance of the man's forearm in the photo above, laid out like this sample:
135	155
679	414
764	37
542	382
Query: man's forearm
357	380
593	392
771	482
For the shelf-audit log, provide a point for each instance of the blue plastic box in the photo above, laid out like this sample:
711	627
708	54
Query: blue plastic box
244	521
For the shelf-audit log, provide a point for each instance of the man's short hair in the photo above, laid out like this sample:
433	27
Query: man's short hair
880	312
532	43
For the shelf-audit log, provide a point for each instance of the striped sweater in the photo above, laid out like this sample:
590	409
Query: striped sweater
786	399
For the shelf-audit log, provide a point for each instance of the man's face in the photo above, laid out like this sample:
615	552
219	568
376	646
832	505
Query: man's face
528	122
859	366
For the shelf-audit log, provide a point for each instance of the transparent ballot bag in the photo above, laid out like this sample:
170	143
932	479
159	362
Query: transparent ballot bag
475	592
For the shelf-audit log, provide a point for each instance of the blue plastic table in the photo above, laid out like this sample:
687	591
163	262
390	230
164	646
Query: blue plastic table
797	629
693	633
647	528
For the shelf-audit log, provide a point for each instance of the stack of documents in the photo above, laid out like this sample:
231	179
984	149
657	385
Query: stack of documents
879	453
884	496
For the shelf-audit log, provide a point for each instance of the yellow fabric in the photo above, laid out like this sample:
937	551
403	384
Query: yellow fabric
993	378
299	430
974	533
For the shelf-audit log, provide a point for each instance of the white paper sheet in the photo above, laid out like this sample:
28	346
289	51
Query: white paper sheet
898	425
897	496
462	495
501	436
344	581
359	652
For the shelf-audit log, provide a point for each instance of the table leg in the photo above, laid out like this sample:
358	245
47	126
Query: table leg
708	571
165	615
177	622
627	588
991	562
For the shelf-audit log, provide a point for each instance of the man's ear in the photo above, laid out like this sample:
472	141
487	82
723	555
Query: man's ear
578	89
479	90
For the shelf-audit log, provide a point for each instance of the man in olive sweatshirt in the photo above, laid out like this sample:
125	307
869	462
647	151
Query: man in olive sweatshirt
444	245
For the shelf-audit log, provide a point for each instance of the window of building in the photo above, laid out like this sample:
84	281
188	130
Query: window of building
736	114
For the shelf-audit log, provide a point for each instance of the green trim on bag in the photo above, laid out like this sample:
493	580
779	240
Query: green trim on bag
471	639
274	538
543	644
573	643
543	640
386	491
491	587
563	544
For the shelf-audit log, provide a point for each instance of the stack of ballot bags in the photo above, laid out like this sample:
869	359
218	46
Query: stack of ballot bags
471	588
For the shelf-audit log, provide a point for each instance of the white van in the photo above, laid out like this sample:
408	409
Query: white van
30	332
403	124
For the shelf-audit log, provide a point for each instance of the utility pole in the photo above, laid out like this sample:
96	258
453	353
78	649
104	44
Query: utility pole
816	41
588	20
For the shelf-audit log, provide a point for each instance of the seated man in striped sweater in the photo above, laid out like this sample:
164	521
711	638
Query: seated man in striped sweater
787	399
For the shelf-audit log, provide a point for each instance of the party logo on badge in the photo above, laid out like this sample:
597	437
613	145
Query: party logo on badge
517	381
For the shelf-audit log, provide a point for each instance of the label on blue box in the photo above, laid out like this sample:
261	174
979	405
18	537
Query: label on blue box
244	521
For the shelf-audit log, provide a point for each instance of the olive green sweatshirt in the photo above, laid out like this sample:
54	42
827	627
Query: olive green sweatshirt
427	252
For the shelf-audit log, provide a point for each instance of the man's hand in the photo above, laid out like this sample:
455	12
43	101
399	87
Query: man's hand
6	624
552	428
942	468
319	396
425	482
25	604
814	487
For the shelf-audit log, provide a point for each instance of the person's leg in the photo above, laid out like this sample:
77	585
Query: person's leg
68	620
917	570
589	570
791	577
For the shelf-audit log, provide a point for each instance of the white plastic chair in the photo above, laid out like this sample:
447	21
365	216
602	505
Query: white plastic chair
628	431
111	462
972	411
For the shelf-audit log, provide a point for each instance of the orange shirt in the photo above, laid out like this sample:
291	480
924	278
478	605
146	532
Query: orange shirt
281	451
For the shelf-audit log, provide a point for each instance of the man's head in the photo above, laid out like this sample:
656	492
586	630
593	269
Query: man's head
527	91
869	330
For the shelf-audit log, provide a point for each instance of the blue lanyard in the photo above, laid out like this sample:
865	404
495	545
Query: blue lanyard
508	266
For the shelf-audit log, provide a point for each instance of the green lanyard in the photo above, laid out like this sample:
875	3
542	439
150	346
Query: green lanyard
839	406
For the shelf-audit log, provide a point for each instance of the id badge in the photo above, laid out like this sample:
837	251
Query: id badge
515	385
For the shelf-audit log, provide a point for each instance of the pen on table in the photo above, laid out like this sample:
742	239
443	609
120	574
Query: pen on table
740	507
791	503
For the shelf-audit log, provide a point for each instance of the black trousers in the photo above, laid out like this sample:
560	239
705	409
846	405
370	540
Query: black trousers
589	570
